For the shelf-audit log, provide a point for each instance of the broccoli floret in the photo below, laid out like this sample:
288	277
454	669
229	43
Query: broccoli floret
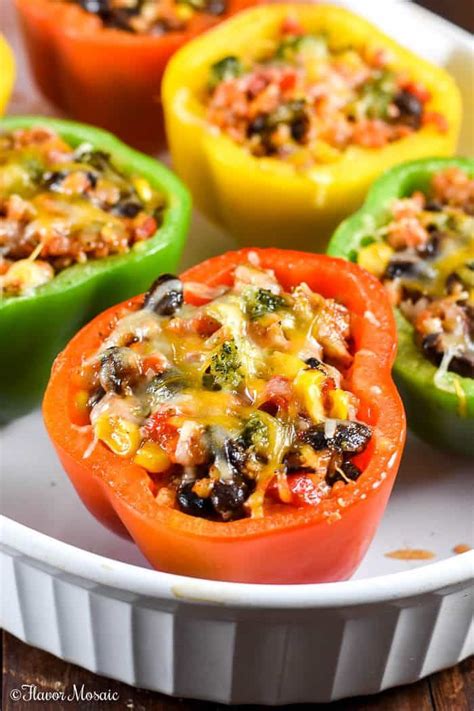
100	160
377	95
255	434
226	68
224	369
258	302
292	45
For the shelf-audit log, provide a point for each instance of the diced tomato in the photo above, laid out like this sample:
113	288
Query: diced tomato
145	228
304	489
288	81
291	26
407	232
202	324
327	386
371	133
160	429
418	90
437	119
154	362
278	391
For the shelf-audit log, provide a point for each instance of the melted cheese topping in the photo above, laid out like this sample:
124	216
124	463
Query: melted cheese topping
424	255
60	205
225	403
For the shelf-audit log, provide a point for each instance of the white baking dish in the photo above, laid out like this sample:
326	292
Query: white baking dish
74	589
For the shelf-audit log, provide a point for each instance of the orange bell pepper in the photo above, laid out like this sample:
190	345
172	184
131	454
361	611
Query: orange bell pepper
104	76
302	544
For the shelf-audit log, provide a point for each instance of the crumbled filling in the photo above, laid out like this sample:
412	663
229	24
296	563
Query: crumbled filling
233	406
306	101
154	17
424	255
60	205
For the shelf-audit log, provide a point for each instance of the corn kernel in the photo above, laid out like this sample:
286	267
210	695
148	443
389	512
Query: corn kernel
375	257
339	404
325	153
184	12
120	435
143	188
286	365
308	386
151	457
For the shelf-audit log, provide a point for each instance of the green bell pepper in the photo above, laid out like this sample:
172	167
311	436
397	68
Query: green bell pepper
34	328
441	417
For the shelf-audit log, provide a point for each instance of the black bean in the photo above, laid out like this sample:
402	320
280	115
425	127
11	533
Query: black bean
165	296
315	437
463	365
314	364
258	125
351	437
431	344
229	497
431	248
92	178
118	369
235	453
348	469
453	282
398	268
216	7
433	206
95	397
433	348
410	108
299	128
52	180
127	209
190	503
348	436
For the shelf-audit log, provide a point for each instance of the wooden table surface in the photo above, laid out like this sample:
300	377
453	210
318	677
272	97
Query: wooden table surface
450	690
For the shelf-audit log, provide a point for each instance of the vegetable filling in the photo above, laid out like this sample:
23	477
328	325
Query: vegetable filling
233	406
424	255
154	17
61	205
305	99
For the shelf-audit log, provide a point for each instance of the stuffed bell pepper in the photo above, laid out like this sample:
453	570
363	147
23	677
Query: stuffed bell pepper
416	234
280	119
101	61
239	422
7	73
84	222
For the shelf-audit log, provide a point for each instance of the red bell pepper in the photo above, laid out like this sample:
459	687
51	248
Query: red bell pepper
296	544
105	76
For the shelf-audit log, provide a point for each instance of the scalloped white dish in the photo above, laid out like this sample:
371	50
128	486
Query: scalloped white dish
71	587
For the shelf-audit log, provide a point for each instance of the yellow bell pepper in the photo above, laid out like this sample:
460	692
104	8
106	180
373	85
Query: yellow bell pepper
265	201
7	73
